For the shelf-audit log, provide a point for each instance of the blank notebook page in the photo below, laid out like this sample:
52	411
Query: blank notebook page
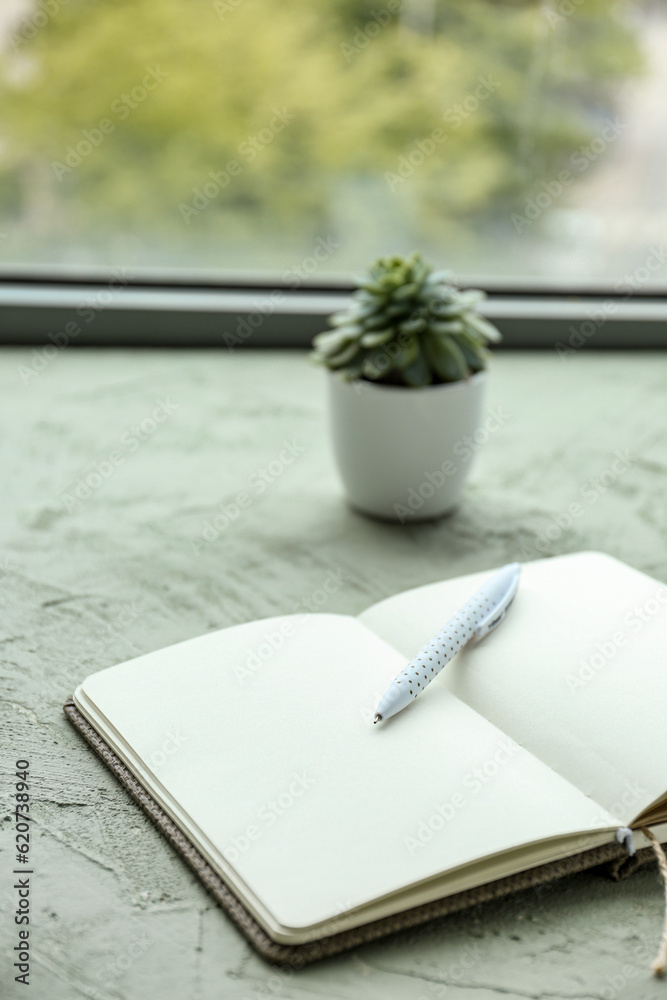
577	672
304	804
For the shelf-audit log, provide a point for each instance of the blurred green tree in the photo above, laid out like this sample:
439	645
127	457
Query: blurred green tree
122	114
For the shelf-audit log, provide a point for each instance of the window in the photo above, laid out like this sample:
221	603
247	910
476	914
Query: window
515	141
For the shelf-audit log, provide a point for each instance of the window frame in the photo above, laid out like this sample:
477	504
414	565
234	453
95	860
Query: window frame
131	308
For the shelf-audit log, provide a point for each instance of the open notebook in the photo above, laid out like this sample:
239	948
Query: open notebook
537	744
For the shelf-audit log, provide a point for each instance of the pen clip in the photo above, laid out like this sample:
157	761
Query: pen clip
499	592
492	620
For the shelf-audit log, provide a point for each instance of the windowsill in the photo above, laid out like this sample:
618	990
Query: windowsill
117	312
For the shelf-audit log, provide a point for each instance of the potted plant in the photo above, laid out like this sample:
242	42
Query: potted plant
406	383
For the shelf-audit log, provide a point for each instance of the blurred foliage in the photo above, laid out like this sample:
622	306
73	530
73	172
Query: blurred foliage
358	104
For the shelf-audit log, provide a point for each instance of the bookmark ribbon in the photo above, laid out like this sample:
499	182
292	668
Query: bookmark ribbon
624	836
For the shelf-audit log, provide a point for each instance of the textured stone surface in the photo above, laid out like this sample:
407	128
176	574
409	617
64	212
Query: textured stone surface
115	912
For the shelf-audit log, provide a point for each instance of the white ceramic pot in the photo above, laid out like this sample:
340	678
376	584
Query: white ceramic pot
404	454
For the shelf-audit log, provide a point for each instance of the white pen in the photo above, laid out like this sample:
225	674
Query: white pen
483	612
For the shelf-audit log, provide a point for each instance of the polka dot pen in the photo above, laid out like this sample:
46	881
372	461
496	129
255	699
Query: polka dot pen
483	612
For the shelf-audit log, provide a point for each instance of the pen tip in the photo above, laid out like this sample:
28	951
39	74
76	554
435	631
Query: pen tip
378	718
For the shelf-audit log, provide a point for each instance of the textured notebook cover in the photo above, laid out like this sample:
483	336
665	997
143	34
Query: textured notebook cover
614	856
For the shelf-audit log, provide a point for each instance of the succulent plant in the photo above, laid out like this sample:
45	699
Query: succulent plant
407	325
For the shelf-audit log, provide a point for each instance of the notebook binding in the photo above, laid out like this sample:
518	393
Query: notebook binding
613	856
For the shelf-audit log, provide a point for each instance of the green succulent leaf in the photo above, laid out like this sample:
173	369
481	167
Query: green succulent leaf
362	310
445	310
445	326
343	357
413	325
331	341
377	365
470	299
418	373
406	291
347	318
482	326
407	354
376	322
373	287
438	277
376	337
473	351
397	309
446	358
454	365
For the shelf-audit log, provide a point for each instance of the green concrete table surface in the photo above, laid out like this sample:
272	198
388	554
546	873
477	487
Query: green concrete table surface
157	552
